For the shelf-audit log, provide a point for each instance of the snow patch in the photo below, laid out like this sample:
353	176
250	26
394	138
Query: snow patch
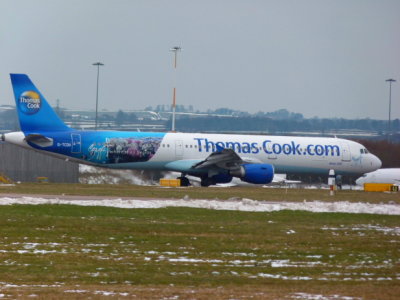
242	205
305	296
367	227
95	175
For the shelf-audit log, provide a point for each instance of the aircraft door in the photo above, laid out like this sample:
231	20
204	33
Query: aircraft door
346	155
76	143
179	149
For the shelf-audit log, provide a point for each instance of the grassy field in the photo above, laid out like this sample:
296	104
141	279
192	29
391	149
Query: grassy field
251	192
65	251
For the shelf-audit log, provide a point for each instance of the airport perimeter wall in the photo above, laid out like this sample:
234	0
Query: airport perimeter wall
24	165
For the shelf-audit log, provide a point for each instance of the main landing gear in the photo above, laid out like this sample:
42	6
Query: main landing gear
207	181
184	181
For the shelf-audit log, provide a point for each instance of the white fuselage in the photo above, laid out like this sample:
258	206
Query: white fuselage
390	175
286	153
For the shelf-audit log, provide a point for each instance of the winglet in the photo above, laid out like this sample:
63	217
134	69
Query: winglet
34	113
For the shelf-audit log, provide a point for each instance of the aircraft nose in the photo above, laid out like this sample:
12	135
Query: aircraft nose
376	162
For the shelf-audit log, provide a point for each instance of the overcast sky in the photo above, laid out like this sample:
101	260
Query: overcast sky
319	58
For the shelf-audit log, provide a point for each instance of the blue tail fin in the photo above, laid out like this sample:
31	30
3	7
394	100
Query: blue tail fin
34	113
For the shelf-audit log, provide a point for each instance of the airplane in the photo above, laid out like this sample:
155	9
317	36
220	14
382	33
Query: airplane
386	175
214	158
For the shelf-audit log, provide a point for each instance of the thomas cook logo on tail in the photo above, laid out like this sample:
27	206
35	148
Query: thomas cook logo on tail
29	102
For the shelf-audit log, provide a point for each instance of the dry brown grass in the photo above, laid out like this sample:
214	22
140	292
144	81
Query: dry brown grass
287	291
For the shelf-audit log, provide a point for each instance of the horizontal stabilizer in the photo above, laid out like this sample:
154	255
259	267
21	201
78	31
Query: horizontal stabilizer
39	140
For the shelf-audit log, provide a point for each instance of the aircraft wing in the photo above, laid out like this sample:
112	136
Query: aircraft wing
223	158
226	159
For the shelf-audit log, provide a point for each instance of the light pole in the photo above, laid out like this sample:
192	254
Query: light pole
98	64
175	50
390	103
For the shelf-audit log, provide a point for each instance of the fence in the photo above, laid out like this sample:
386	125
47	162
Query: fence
24	165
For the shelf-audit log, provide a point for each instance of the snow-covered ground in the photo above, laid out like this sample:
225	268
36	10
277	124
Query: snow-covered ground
232	204
94	175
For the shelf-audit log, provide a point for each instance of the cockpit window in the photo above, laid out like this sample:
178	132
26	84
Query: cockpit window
364	151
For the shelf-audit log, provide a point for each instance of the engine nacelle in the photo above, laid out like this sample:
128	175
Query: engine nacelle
255	173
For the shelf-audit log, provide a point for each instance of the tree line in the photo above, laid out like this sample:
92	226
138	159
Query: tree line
278	122
271	125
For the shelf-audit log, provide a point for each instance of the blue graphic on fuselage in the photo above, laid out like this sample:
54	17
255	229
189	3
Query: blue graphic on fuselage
121	150
104	147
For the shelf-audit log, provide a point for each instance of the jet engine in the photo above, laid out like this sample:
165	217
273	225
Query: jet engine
255	173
